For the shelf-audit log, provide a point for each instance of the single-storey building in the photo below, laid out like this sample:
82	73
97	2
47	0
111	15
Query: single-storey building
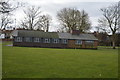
74	39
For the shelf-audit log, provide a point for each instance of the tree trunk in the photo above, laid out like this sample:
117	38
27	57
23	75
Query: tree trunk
47	26
113	44
113	39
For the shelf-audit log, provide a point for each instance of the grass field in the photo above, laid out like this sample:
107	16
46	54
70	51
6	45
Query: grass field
26	62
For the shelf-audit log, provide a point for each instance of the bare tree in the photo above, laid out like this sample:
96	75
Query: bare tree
67	17
73	19
5	20
44	22
6	9
31	18
84	22
111	20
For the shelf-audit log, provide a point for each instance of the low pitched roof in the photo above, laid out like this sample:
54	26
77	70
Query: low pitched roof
81	36
31	33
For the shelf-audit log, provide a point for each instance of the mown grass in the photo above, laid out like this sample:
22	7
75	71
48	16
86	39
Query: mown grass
26	62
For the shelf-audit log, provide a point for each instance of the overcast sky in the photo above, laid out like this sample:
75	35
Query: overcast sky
92	7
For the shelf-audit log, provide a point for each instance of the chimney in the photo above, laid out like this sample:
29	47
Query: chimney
75	32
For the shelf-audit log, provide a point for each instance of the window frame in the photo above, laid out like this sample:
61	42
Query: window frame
78	42
18	39
28	39
89	42
64	41
36	39
55	40
46	40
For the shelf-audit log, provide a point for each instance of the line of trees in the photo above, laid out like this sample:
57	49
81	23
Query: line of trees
33	20
69	18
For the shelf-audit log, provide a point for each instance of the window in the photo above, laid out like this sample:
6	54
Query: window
37	39
18	39
46	40
28	39
64	41
89	42
55	40
79	42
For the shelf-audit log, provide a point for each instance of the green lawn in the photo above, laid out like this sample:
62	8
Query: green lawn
26	62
